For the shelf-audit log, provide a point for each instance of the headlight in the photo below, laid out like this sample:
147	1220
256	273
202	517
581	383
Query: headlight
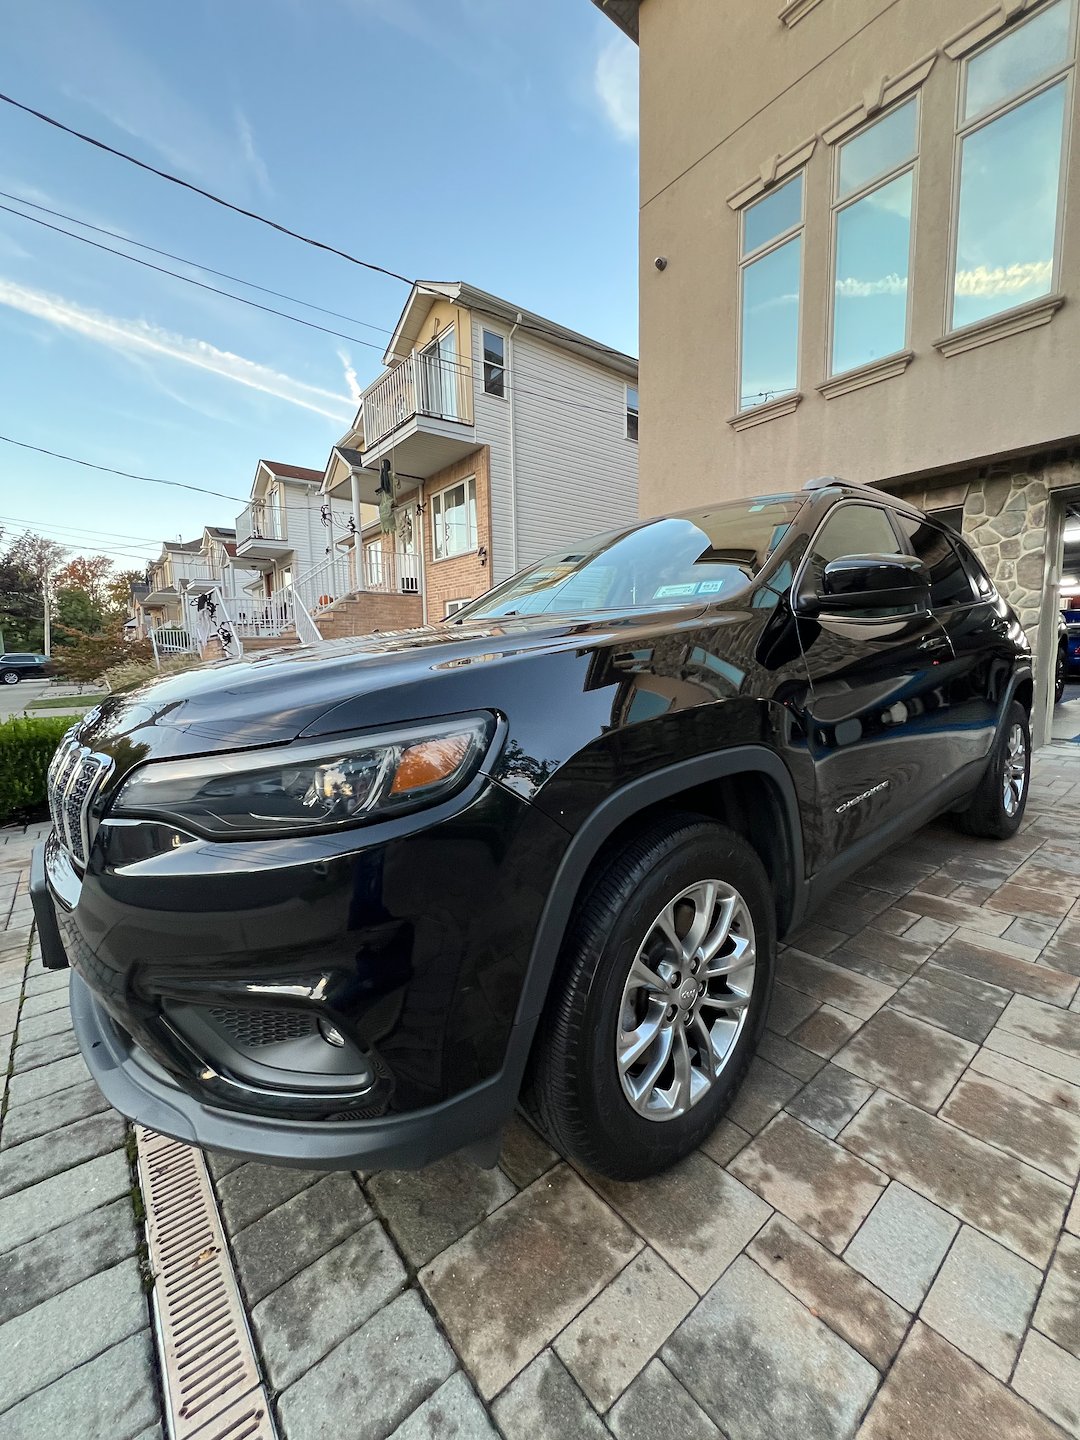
320	785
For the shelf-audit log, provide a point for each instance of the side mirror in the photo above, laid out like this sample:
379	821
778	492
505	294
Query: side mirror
867	583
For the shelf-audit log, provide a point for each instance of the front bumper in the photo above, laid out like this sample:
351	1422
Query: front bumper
396	1142
411	943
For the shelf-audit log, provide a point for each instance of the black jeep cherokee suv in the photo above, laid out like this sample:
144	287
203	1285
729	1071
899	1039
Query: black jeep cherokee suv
333	906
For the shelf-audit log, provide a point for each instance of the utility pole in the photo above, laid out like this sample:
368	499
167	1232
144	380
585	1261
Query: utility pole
48	612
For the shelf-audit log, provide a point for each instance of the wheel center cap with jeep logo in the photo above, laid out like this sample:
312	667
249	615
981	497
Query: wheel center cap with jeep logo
688	994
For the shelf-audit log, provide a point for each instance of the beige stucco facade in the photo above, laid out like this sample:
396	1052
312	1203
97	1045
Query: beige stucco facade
740	94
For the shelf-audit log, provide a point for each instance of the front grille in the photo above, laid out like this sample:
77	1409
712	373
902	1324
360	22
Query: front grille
75	775
251	1028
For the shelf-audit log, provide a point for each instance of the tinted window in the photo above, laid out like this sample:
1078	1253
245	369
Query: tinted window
974	566
682	560
855	530
949	584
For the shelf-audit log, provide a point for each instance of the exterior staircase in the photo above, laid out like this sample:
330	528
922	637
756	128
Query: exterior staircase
366	611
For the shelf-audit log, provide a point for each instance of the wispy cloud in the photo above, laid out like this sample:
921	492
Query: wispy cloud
254	161
135	93
141	338
615	81
852	289
1005	279
356	390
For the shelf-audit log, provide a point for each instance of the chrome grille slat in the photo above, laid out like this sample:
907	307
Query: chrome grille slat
74	777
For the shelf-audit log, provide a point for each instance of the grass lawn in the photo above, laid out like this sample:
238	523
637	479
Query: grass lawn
64	702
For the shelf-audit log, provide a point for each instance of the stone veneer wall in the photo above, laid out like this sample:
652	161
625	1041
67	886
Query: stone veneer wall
1005	522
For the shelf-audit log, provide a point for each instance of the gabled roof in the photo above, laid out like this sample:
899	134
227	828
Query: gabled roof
291	472
185	547
425	293
624	13
223	533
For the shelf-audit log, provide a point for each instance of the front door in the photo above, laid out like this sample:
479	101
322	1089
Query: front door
876	703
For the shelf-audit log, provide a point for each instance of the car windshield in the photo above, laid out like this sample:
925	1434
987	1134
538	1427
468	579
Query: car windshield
682	560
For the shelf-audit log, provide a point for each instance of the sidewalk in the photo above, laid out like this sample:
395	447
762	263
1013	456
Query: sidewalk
882	1239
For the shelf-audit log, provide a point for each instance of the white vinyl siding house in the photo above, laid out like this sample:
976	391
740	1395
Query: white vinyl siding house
562	466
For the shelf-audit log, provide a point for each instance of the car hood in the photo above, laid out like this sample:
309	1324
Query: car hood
340	685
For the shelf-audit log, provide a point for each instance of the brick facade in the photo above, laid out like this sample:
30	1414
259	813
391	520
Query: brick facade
465	576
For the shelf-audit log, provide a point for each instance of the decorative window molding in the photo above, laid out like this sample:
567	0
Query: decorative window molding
879	97
999	327
986	25
796	10
866	375
761	413
775	169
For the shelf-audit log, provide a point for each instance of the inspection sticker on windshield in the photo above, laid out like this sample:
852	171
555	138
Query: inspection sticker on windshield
691	587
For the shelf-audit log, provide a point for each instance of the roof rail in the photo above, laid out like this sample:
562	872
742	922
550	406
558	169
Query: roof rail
826	482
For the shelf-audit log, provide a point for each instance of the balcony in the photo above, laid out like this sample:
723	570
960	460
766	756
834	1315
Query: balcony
422	409
260	533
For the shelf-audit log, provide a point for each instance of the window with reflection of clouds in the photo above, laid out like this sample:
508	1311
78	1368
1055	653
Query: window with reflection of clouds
874	190
1014	106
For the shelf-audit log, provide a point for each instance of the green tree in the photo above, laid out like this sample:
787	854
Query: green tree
75	613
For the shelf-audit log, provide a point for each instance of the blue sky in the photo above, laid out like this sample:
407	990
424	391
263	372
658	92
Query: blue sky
493	141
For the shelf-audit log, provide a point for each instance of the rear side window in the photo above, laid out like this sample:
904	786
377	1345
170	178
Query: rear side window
984	586
949	583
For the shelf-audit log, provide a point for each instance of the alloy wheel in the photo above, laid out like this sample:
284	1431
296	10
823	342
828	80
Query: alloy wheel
1014	777
686	999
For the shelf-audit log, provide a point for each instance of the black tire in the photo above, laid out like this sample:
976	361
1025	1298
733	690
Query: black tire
575	1084
988	815
1060	673
9	677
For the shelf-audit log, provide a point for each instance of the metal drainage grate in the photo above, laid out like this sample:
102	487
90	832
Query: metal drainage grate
210	1375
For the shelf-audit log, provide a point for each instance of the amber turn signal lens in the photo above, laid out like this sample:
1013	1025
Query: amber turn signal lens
429	762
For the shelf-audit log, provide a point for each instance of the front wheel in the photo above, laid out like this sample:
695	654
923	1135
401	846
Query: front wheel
1060	670
658	999
997	807
9	677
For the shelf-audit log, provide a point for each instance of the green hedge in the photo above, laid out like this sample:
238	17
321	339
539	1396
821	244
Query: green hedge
26	747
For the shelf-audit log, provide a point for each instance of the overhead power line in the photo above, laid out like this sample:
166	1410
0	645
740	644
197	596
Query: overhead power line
198	264
198	190
456	366
124	474
190	279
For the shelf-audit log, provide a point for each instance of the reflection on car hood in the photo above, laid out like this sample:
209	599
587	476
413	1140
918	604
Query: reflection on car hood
277	695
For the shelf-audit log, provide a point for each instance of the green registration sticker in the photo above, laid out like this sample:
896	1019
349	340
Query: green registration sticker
665	592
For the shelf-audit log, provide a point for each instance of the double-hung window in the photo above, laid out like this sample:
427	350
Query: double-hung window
494	364
1013	104
770	271
453	520
631	412
872	201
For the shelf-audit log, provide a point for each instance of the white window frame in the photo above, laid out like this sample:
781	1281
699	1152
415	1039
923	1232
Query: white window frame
436	518
966	128
485	331
839	205
748	259
633	410
453	606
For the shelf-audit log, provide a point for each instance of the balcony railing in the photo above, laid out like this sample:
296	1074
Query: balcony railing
421	385
259	521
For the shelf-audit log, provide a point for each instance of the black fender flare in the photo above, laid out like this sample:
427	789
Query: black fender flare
622	805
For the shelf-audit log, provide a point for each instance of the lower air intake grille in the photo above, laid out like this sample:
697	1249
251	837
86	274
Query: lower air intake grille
252	1028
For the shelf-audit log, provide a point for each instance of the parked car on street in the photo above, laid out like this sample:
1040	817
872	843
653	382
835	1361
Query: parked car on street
334	907
16	665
